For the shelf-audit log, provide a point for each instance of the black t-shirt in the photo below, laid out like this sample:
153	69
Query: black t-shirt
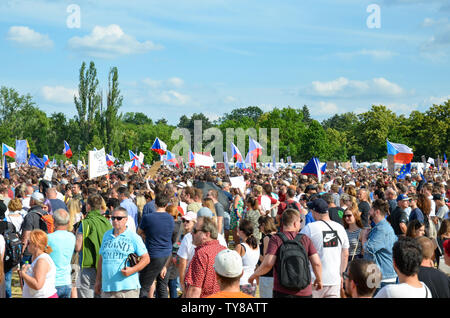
437	281
398	216
336	214
364	208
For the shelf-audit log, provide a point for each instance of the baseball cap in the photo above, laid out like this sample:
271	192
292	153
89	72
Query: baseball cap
402	197
228	263
190	216
37	196
205	212
438	196
181	185
318	205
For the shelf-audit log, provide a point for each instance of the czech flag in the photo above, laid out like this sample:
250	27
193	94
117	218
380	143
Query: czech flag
135	165
445	163
132	155
235	153
191	159
46	160
67	151
313	167
8	151
323	167
254	148
159	146
402	153
172	159
110	160
250	159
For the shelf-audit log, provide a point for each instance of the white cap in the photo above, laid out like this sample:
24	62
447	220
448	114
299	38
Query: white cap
37	196
190	216
228	263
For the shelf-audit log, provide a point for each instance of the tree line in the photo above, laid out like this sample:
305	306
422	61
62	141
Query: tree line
99	123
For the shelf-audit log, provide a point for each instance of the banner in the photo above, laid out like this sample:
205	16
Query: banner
202	160
21	151
48	174
97	163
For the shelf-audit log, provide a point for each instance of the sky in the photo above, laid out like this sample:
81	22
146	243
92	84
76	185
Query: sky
179	57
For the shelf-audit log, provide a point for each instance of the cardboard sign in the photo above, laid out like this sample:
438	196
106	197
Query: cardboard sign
151	173
97	163
238	182
48	174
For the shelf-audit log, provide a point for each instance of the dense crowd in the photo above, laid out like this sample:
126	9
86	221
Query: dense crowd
192	233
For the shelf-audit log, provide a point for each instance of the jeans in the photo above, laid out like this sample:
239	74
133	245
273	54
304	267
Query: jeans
173	284
8	280
64	291
148	275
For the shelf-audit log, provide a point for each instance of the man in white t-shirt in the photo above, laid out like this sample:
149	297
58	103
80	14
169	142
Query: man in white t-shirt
407	257
331	242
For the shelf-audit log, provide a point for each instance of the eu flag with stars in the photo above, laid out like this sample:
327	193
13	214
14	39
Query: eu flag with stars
404	170
35	161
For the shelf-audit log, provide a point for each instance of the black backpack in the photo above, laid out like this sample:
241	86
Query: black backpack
293	264
13	247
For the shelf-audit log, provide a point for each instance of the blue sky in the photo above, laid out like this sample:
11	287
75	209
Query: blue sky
180	57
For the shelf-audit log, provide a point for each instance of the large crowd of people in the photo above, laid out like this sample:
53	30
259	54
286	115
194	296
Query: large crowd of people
192	233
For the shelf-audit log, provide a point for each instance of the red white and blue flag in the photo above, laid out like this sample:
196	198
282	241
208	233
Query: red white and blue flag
132	155
191	160
402	153
135	165
67	151
110	160
159	146
254	148
235	153
172	159
8	151
445	163
313	167
46	160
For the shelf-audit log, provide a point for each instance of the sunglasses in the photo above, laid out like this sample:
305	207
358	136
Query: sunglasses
117	218
347	215
195	231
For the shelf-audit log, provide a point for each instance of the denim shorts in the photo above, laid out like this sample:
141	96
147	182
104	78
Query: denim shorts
226	221
64	291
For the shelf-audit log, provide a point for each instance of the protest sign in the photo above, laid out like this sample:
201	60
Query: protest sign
202	160
238	182
48	174
97	163
151	173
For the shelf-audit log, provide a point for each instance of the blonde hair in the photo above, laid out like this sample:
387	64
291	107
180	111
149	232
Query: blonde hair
209	203
74	208
15	205
40	240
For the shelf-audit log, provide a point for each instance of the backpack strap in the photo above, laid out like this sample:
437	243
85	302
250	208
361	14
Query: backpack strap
332	230
283	237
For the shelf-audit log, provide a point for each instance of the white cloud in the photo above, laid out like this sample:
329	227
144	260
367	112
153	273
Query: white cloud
110	42
175	81
324	109
172	97
375	54
58	94
432	100
27	37
343	87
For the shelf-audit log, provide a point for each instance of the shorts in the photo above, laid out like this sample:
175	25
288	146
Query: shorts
327	292
226	221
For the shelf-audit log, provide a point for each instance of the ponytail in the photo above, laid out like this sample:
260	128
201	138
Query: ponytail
252	241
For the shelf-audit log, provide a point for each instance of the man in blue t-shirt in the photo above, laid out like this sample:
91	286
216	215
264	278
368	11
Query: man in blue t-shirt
116	278
157	229
62	243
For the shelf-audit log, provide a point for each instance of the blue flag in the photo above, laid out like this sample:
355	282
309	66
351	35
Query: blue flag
35	161
5	169
404	170
21	151
313	167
